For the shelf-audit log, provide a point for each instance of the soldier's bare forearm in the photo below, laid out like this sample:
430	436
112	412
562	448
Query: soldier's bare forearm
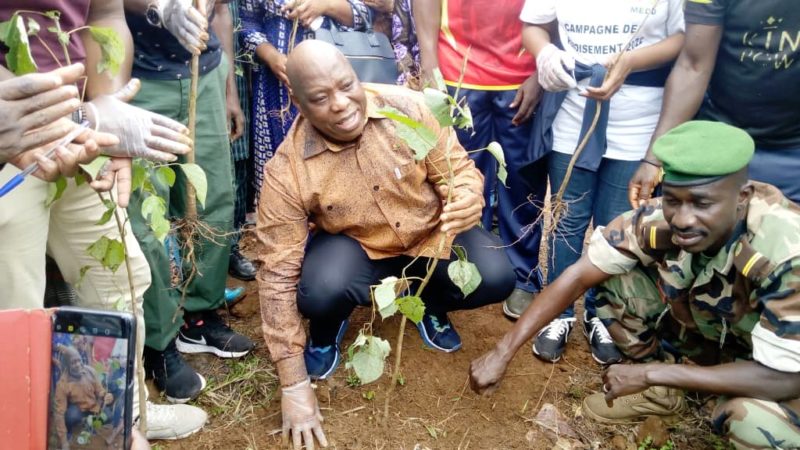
550	303
740	379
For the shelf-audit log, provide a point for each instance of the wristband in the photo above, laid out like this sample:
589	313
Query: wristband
644	160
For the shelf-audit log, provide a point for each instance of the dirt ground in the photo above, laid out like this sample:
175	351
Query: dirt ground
434	409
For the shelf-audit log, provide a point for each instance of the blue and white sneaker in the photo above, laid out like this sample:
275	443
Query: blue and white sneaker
321	362
438	333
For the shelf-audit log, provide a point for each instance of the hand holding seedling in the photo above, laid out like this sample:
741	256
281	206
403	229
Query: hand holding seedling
306	11
31	106
141	133
462	212
188	24
619	67
301	416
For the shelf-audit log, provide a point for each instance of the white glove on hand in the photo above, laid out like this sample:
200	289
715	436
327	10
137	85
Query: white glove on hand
301	416
186	23
553	65
141	134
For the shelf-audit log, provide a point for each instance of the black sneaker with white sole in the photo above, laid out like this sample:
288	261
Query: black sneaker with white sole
603	348
172	376
207	333
552	339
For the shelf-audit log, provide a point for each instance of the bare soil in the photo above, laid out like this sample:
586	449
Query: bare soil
434	409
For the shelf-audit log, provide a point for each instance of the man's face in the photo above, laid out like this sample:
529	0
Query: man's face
334	102
703	217
75	366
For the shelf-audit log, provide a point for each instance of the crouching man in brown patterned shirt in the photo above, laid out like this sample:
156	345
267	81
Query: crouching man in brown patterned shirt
375	208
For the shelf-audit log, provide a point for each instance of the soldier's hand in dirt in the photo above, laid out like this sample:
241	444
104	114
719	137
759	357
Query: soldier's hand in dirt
486	372
462	212
619	67
31	104
527	98
188	24
301	416
141	134
642	184
624	379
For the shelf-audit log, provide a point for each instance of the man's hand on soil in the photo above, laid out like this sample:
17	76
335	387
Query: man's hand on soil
624	379
486	372
301	416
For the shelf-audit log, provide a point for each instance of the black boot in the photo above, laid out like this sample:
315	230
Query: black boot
241	267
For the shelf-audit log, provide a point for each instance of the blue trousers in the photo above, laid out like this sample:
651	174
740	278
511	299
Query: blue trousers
517	206
780	168
596	197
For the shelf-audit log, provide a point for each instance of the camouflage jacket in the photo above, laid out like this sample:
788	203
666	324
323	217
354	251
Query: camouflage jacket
748	294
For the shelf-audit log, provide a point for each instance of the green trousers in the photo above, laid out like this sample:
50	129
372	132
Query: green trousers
212	152
631	308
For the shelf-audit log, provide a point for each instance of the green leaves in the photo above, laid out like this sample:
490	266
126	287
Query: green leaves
384	295
109	213
154	209
55	190
465	275
197	177
439	104
497	151
366	357
110	253
420	138
93	168
13	34
412	307
111	49
165	175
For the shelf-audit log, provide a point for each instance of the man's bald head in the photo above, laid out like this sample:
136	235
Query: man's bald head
325	88
312	58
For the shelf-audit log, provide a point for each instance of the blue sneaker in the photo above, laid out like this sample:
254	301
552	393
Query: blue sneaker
234	295
321	362
438	333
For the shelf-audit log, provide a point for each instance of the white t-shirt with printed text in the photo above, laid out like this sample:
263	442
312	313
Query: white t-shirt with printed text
593	32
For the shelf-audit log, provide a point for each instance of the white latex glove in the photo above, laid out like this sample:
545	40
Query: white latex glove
301	416
141	134
186	23
554	66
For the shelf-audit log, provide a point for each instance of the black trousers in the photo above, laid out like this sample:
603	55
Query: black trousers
337	275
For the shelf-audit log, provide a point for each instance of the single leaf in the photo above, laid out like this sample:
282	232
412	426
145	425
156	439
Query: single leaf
112	50
139	174
384	297
412	307
439	104
497	151
166	175
63	37
93	168
108	214
53	14
160	226
97	250
33	27
153	206
197	177
55	190
438	78
420	138
465	275
368	360
463	116
19	59
361	339
115	255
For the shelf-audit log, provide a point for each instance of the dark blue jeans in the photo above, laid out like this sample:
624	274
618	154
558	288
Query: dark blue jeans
518	207
780	168
596	197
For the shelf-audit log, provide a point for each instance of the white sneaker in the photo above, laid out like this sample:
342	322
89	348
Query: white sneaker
173	421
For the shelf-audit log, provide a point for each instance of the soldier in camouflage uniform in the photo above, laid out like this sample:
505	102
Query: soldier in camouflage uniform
710	273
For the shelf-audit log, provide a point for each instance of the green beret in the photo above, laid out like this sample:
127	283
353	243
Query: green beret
700	152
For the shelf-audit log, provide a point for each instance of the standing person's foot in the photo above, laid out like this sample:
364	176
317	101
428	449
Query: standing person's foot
322	361
551	341
603	348
172	376
654	401
173	421
205	332
517	303
240	267
438	333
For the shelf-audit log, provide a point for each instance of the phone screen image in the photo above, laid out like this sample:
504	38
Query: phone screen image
90	373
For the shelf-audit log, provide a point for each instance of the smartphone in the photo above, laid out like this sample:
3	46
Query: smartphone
91	390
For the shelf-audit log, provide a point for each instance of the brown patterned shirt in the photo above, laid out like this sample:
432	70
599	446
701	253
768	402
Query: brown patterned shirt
372	190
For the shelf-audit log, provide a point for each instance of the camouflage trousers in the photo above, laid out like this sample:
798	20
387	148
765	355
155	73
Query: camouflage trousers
632	309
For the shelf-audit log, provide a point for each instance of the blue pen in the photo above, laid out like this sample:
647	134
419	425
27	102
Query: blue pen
20	177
